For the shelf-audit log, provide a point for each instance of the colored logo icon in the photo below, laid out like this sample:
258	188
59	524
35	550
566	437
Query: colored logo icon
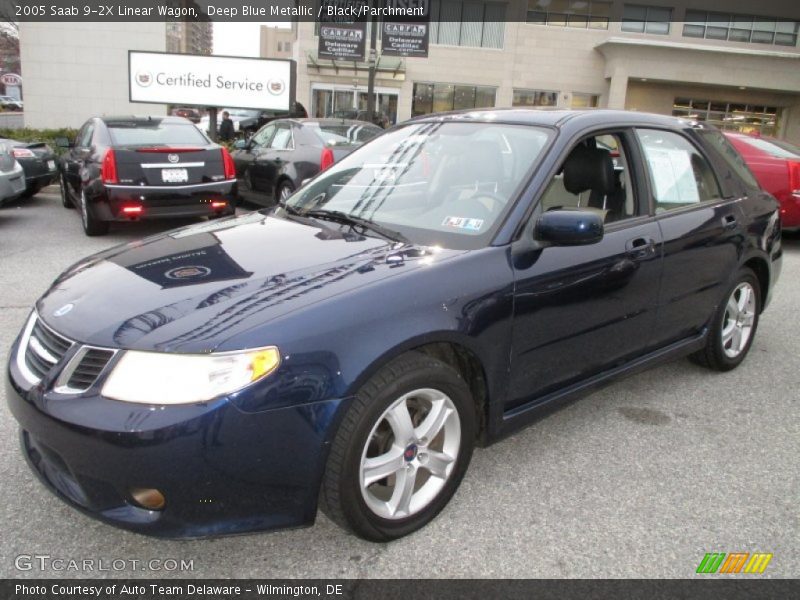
735	562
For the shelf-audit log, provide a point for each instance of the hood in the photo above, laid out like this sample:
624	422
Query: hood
190	289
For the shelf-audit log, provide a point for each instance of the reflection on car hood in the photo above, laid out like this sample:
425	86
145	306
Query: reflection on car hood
190	288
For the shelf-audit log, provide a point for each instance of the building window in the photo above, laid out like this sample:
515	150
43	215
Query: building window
740	28
534	98
441	97
570	13
467	23
733	116
646	19
580	100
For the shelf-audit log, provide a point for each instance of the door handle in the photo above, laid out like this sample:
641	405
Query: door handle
729	221
640	247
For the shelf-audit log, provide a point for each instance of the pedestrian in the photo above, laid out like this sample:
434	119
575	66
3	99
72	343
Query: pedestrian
226	127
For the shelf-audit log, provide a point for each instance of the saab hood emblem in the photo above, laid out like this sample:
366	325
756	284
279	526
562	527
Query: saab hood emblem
63	310
173	158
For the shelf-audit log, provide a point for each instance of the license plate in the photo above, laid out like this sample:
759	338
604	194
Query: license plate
174	175
51	164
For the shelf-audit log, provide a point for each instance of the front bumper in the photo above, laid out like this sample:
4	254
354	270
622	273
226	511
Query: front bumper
164	202
221	470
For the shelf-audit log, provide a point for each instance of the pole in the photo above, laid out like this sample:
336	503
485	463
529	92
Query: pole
373	59
212	124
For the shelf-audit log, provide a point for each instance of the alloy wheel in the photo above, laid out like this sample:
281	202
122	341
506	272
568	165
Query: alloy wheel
737	323
286	191
410	454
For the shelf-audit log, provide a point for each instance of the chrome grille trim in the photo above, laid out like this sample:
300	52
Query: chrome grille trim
34	354
62	385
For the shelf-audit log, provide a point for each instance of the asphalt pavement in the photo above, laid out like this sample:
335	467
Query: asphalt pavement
638	480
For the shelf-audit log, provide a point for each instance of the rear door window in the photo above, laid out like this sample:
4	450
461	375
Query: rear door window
680	175
283	138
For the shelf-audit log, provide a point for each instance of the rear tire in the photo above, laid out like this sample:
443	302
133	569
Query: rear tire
401	450
91	225
734	325
285	190
66	201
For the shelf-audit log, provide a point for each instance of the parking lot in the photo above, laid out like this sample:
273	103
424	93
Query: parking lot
638	480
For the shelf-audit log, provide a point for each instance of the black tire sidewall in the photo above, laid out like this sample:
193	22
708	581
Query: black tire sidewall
363	520
725	362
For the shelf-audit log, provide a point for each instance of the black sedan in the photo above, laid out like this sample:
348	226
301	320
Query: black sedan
38	161
130	168
276	161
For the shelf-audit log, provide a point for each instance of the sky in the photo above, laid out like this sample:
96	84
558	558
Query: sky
238	39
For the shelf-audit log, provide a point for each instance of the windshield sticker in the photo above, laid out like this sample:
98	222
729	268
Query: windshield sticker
463	223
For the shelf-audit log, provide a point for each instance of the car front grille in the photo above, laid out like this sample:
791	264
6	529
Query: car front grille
43	350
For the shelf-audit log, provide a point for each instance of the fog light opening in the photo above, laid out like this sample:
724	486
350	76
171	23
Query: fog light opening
148	498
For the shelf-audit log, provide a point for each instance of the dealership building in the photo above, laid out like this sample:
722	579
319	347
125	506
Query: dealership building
738	68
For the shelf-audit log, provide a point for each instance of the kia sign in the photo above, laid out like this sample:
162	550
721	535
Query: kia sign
221	81
11	79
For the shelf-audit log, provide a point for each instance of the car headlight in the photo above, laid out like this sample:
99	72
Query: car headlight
163	378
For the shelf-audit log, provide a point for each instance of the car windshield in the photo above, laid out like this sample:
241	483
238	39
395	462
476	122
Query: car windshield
343	134
241	112
446	184
155	133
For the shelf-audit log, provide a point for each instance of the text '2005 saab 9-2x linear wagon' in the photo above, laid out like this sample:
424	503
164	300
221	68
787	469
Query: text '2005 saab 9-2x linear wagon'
432	291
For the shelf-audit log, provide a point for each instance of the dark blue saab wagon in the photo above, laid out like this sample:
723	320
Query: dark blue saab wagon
434	290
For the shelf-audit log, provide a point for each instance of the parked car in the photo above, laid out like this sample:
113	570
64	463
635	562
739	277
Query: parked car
248	121
776	166
276	161
381	119
10	103
131	168
187	112
12	177
38	161
438	288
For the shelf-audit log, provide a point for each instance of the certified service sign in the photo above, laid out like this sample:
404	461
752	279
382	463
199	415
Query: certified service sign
220	81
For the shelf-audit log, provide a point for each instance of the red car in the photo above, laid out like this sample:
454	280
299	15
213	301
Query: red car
776	165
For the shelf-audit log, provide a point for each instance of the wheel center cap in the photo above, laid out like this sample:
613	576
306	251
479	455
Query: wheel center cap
410	452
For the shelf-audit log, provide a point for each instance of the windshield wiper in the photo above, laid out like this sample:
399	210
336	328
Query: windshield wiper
347	219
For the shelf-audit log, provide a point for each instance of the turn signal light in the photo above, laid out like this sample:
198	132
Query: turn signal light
108	172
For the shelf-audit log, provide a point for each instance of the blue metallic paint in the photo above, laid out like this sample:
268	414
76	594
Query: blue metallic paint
339	306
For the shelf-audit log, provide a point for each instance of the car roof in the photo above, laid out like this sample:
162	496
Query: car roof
139	120
325	121
553	117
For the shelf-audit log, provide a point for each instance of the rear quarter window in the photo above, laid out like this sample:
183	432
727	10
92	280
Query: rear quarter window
730	155
345	134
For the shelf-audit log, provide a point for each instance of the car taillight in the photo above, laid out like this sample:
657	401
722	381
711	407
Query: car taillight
23	153
325	159
108	172
794	177
228	165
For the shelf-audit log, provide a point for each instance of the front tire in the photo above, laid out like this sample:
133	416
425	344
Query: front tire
734	325
91	225
401	450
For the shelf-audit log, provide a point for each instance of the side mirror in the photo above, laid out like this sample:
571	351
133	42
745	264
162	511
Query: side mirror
240	144
62	142
565	227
